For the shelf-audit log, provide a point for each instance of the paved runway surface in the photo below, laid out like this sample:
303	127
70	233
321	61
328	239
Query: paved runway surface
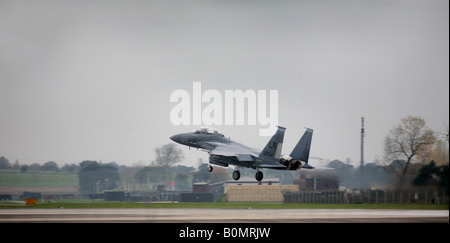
223	215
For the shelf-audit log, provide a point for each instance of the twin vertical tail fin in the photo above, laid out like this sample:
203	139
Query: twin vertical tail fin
273	147
301	150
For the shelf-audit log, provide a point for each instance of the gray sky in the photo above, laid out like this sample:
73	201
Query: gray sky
92	79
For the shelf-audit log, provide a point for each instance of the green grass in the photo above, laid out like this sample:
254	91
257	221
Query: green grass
17	178
101	204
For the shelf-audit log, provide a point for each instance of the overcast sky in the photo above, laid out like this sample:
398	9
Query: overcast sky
91	80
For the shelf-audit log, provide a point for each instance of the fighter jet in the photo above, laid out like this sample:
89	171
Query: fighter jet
224	152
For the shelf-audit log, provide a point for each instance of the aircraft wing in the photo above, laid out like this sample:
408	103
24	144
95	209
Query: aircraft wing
229	151
244	157
241	154
270	163
246	154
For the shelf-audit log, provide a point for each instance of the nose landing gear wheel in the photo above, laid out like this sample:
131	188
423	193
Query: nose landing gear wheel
210	168
259	176
236	175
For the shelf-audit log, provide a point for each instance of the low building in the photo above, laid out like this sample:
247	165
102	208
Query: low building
247	189
250	181
318	180
200	187
200	193
259	193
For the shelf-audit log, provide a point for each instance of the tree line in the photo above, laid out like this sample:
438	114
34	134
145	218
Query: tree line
414	156
49	166
96	177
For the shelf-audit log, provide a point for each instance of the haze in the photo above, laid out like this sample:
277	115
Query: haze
91	80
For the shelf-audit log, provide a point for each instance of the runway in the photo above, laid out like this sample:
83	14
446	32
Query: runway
189	215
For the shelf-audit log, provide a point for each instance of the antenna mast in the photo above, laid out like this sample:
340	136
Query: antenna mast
362	151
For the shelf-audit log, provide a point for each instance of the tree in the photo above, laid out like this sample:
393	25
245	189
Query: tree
4	163
202	174
34	167
407	140
428	175
71	168
345	172
168	155
151	174
16	165
160	170
437	152
444	175
23	168
433	175
127	176
445	133
50	166
182	182
96	177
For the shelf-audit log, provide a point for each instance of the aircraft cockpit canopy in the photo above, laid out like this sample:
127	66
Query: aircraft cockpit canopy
208	130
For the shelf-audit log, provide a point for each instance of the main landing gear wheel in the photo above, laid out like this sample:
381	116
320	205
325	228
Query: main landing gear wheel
236	175
259	176
210	168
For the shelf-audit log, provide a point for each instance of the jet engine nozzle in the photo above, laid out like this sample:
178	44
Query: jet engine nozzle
290	163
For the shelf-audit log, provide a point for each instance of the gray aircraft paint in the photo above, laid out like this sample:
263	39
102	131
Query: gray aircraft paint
224	151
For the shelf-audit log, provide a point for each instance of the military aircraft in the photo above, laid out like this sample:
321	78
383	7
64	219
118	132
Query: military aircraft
224	152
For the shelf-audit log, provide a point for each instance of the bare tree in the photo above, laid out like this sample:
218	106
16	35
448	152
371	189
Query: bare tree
445	133
168	155
405	141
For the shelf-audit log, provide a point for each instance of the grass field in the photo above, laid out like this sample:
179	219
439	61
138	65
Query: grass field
17	178
101	204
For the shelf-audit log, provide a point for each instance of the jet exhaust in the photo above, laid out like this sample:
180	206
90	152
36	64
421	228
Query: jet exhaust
290	163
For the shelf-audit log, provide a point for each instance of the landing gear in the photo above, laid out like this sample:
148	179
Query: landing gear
259	175
236	175
210	168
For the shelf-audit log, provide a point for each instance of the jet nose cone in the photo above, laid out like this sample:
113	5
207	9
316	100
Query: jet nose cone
176	138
